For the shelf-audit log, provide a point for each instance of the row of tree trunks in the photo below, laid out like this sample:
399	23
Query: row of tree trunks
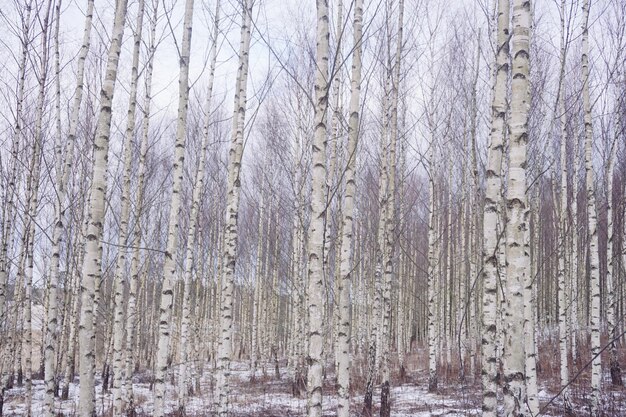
364	274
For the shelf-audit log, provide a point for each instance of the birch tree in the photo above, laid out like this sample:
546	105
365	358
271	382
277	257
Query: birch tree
169	265
613	331
517	241
315	273
32	193
91	272
491	214
473	216
131	309
432	292
612	274
390	231
8	218
69	151
347	259
118	283
193	220
562	272
62	173
232	210
594	262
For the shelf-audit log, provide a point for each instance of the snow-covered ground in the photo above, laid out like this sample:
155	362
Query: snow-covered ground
267	397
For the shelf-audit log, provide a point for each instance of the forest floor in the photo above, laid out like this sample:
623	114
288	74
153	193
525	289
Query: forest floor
271	396
267	396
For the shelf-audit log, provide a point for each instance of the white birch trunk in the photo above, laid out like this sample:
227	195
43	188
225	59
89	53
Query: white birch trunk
390	237
32	193
517	253
594	261
378	305
491	216
315	233
574	285
232	210
333	182
91	273
12	185
169	265
17	323
120	265
562	227
298	384
61	171
432	279
449	293
256	302
131	309
347	263
611	253
70	364
462	274
473	222
623	242
198	188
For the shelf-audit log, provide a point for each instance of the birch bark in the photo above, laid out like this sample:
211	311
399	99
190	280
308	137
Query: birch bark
315	233
91	273
432	279
169	265
375	348
256	302
198	188
131	309
235	154
473	221
574	284
594	261
562	272
15	145
390	237
50	342
347	262
517	248
120	265
491	216
32	193
616	377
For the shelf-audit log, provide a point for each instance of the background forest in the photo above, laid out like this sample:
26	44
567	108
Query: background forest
281	208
